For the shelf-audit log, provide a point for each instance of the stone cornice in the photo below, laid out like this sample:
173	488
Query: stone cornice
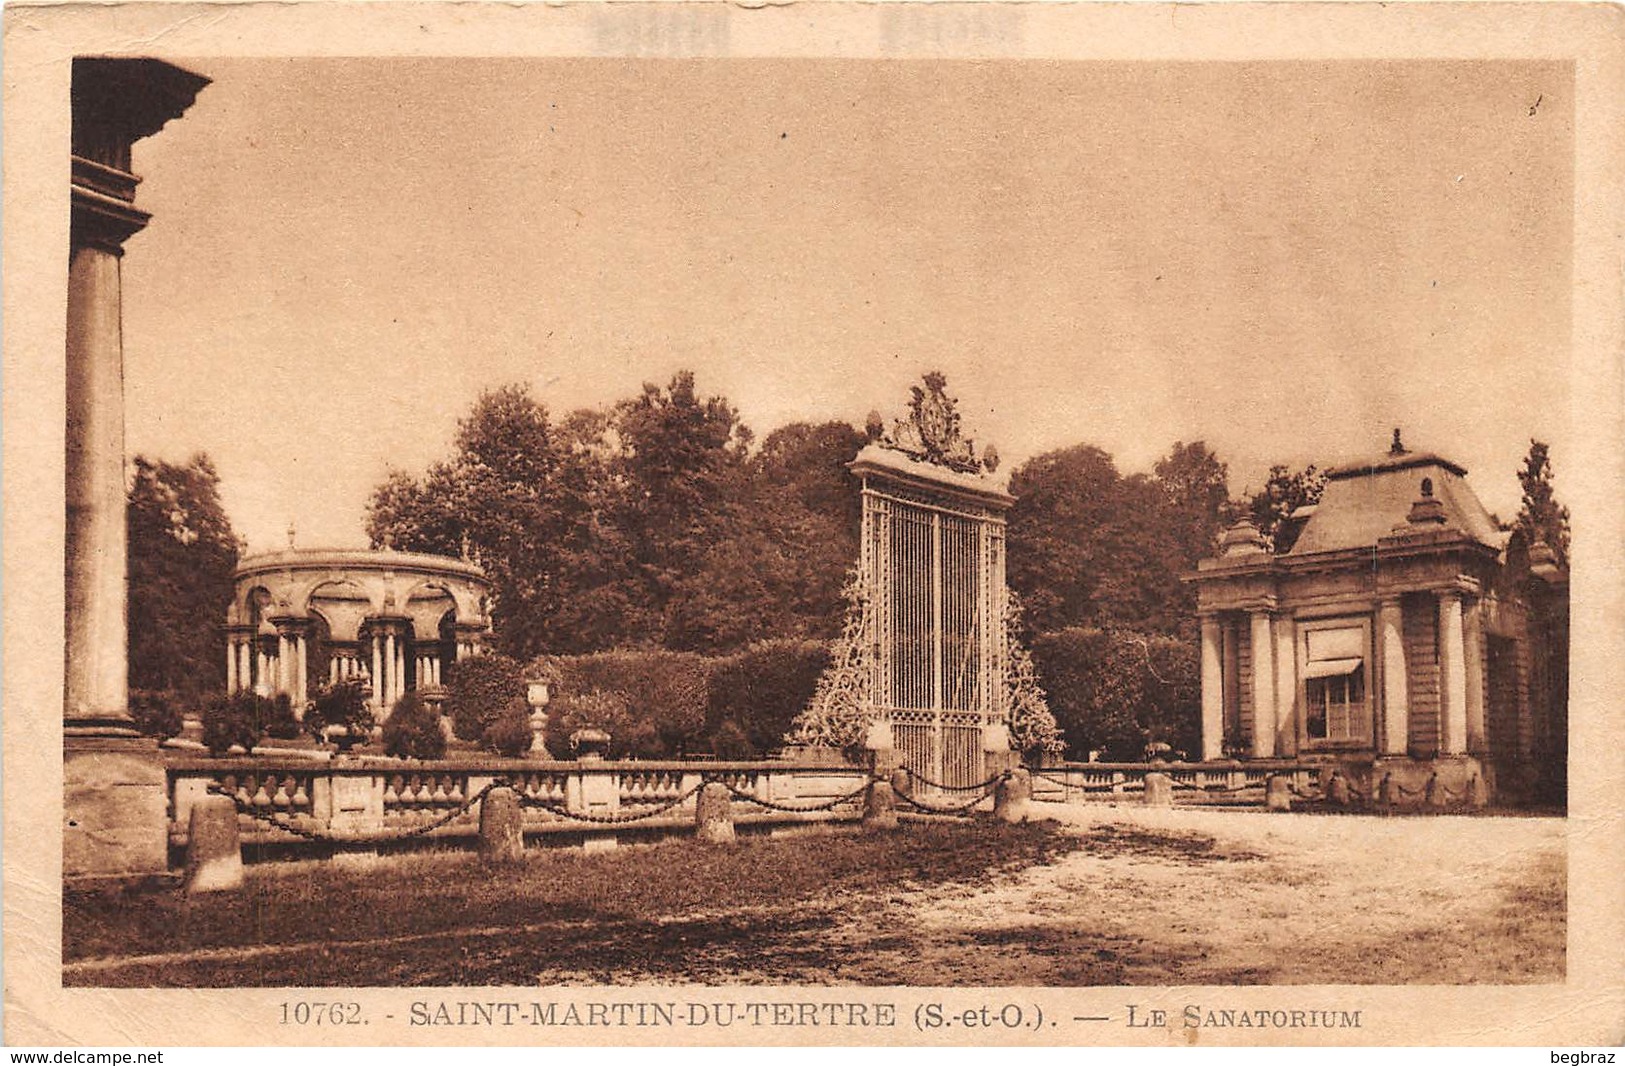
321	560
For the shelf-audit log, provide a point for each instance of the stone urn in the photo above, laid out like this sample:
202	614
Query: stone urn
589	744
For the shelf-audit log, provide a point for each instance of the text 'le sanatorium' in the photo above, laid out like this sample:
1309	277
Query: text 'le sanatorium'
878	1015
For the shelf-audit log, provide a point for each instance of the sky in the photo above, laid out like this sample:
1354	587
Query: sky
1284	260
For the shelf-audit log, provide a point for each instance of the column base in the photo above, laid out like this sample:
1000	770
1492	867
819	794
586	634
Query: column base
115	808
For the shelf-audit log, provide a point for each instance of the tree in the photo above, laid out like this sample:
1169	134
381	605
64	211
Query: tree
1090	547
791	534
1196	492
681	461
182	555
1059	533
1541	518
507	499
1281	495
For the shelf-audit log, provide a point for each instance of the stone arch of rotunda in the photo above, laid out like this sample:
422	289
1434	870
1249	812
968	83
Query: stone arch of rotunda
397	622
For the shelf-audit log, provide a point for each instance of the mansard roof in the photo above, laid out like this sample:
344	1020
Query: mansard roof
1365	502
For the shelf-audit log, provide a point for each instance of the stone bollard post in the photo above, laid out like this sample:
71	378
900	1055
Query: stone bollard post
1475	792
880	806
1159	790
1337	790
214	854
713	815
902	782
1387	794
1012	796
502	836
1277	793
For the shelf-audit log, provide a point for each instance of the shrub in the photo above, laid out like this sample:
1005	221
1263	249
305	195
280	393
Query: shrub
277	719
755	695
412	730
343	704
156	713
665	694
510	733
480	690
233	719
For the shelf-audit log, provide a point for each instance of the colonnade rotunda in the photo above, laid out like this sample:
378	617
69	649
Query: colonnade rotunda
301	619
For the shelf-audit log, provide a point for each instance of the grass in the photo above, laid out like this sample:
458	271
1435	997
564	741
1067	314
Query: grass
1140	898
630	903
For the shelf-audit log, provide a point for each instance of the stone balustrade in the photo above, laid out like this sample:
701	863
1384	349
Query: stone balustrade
1204	783
288	804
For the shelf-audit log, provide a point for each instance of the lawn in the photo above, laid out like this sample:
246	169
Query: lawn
1124	896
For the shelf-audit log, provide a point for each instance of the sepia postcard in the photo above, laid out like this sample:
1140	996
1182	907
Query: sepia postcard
814	524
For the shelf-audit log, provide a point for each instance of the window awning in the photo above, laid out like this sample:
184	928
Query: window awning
1332	667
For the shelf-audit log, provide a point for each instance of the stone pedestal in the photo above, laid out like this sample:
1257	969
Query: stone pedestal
713	815
1012	797
214	854
114	807
880	807
1278	793
1159	790
502	837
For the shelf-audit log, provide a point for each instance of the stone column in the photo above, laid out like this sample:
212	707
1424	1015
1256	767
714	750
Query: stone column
245	662
377	672
1264	715
1452	676
1212	690
95	696
302	682
114	820
231	663
1396	711
389	671
1286	686
1473	663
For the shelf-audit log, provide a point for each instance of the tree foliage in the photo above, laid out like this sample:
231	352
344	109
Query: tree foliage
1090	547
1540	517
1284	492
652	523
1117	691
182	554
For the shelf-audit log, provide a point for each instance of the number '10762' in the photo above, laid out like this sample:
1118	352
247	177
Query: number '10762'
319	1012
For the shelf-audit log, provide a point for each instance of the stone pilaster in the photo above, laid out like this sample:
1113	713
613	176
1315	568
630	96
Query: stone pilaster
1452	676
1286	685
1473	664
1212	690
1265	718
1396	713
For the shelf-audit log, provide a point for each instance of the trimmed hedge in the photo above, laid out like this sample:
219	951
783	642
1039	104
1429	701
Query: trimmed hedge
665	693
480	690
756	694
1118	691
664	704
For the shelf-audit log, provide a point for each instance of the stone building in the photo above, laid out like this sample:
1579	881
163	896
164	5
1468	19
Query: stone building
1396	631
303	618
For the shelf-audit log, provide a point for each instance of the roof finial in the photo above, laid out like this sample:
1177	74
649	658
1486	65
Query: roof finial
1396	448
290	534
